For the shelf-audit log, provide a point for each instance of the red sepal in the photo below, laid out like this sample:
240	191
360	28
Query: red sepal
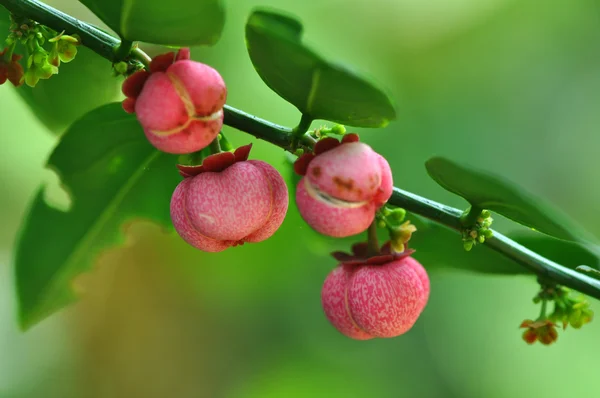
325	145
129	105
301	164
183	54
360	255
161	62
216	163
242	153
133	85
352	137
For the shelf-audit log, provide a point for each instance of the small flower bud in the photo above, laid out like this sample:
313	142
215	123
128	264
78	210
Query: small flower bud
468	245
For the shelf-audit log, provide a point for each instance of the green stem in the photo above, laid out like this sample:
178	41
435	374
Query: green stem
303	126
9	53
225	144
469	218
260	128
286	138
141	57
450	217
543	310
196	158
372	241
300	130
215	146
95	39
124	50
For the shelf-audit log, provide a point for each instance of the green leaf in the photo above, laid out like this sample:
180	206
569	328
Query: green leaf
589	270
490	192
569	254
173	22
113	176
440	248
318	88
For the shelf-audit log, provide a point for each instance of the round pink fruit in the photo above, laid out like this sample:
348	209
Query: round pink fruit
342	188
368	301
245	202
181	107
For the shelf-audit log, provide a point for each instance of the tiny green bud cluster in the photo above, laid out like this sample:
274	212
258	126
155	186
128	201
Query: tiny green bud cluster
325	131
400	231
478	232
568	310
44	49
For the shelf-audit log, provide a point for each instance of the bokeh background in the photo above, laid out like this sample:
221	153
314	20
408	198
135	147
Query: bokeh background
511	86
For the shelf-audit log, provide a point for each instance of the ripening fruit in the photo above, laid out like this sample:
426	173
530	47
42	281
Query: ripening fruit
179	103
368	301
245	202
342	188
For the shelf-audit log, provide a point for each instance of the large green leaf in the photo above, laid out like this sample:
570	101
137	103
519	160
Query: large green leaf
173	22
80	86
318	88
113	175
440	248
490	192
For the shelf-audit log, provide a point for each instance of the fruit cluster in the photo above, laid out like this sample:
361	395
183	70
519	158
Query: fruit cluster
228	200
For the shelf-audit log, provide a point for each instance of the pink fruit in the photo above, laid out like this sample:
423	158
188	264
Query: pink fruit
179	103
245	201
342	188
368	301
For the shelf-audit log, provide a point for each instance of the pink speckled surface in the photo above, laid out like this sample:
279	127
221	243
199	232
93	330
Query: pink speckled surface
231	204
246	202
332	220
279	202
203	84
170	104
333	298
422	275
184	227
196	136
159	106
350	172
387	184
342	189
386	300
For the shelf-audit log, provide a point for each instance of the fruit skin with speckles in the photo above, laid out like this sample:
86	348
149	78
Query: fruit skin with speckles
368	301
343	188
179	103
245	202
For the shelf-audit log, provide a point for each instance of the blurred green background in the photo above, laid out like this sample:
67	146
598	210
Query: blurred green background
511	86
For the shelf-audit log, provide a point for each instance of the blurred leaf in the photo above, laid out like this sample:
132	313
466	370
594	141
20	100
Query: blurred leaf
490	192
317	87
439	248
113	175
173	22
